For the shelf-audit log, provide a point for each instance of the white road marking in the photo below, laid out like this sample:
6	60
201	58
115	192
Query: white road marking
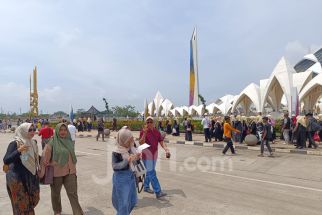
88	153
264	181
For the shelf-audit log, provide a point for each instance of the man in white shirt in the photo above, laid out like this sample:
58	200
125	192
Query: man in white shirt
205	122
72	130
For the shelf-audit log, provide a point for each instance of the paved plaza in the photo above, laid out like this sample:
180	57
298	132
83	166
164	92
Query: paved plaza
199	180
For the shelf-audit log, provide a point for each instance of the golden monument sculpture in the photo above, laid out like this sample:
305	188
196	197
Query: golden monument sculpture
33	94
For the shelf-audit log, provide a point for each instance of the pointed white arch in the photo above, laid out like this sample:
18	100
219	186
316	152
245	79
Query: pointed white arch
182	111
225	103
174	112
301	79
151	108
199	109
280	83
311	93
250	95
192	111
167	105
158	100
317	68
213	108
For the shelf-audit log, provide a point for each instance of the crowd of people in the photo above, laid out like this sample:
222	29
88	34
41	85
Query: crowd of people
296	130
83	124
5	124
24	167
173	128
290	131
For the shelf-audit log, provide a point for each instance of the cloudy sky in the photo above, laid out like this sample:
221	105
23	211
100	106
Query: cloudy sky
126	50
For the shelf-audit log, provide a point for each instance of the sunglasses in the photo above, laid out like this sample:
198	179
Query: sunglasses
32	130
149	122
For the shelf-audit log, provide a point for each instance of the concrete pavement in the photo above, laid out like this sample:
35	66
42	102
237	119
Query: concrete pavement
199	180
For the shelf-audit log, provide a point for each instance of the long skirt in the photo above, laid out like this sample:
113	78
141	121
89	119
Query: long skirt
24	198
124	196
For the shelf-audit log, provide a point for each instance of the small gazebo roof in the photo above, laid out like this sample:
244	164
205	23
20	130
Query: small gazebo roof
93	111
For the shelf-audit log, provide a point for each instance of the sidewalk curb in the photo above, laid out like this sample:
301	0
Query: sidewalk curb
243	147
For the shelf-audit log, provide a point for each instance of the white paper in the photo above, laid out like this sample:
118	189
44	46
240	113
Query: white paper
142	147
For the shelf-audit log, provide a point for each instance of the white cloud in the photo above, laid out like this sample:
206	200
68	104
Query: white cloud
125	51
64	38
51	95
295	50
13	97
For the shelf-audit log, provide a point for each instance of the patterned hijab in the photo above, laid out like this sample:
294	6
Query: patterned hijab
62	147
27	158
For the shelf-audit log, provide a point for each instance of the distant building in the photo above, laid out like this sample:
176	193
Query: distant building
293	89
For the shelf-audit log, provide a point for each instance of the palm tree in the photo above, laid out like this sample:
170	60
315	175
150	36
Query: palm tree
203	102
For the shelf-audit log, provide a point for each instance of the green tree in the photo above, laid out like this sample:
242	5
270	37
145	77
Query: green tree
126	111
203	102
80	111
44	116
25	115
60	113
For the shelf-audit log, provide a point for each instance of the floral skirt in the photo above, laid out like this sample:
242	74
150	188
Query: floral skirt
23	202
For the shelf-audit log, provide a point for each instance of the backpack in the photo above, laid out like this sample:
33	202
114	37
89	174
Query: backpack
313	125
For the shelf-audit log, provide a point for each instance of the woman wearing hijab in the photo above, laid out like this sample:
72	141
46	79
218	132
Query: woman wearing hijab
300	130
244	129
168	127
189	130
124	196
22	162
239	126
175	128
60	153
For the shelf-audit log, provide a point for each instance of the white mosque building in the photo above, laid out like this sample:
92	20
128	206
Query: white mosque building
287	88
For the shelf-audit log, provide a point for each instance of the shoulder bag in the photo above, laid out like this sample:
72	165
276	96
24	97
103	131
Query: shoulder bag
139	171
48	177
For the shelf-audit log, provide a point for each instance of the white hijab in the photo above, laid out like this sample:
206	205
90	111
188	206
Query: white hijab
124	143
28	158
302	120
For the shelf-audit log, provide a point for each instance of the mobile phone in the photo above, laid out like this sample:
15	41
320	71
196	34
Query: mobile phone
168	155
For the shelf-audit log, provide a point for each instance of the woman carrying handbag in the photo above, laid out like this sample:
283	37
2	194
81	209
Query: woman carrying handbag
60	154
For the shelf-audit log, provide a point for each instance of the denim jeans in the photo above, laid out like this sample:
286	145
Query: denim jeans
230	146
207	134
151	176
286	135
310	136
265	142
